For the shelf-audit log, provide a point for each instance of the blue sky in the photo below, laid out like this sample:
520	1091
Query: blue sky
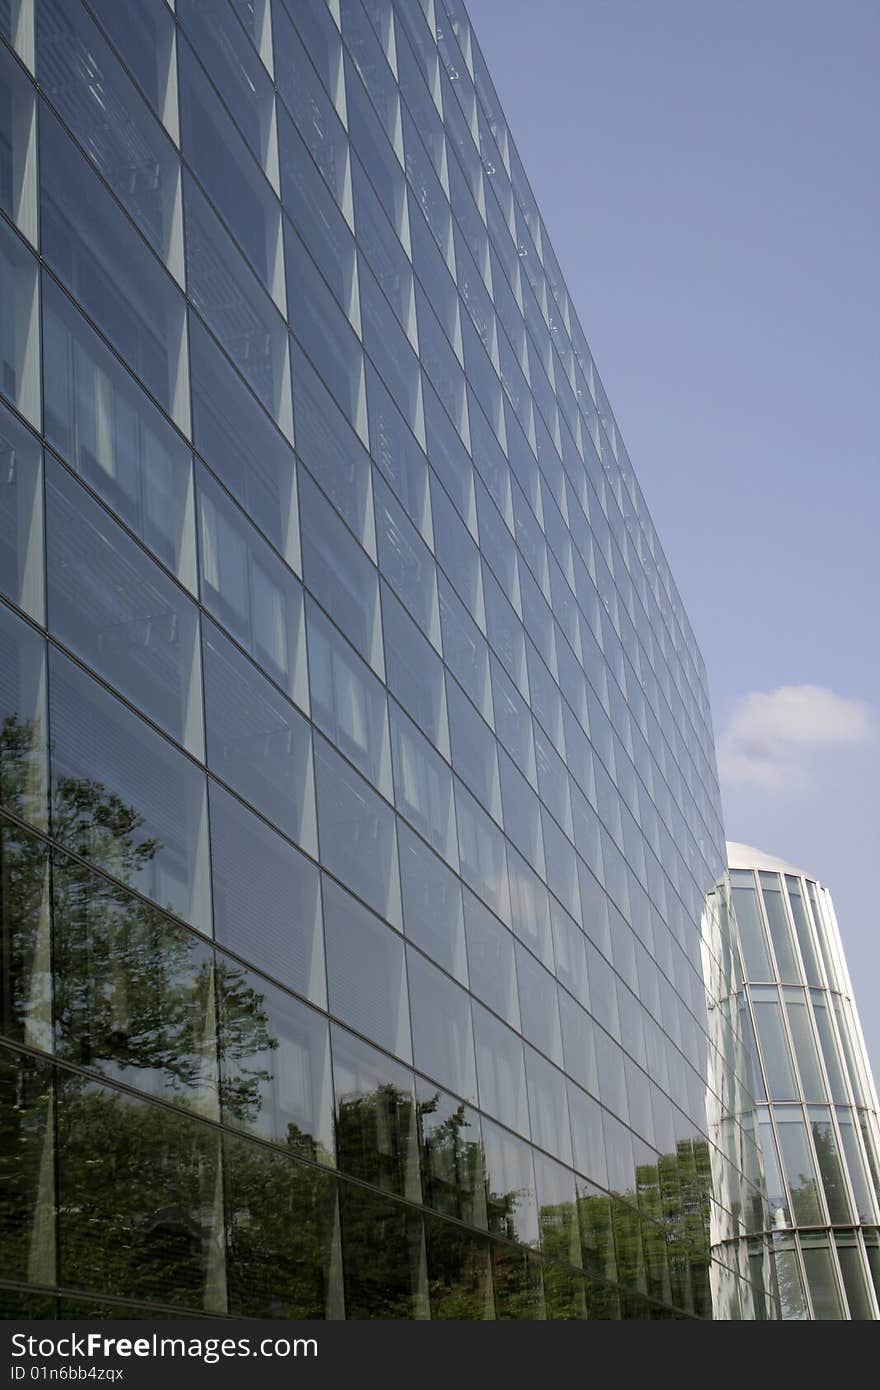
708	176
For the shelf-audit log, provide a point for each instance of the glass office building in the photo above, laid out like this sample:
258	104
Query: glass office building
359	801
817	1106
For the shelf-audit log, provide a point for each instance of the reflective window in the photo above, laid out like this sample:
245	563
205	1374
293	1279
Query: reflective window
774	1045
111	121
154	1200
491	960
442	1039
415	672
799	1167
120	613
803	931
21	516
257	742
267	904
501	1071
143	33
249	590
23	734
244	449
383	1255
347	701
423	786
339	574
17	133
751	927
357	833
20	326
235	306
780	932
325	335
376	1137
105	426
432	909
125	798
510	1186
331	449
235	69
548	1106
266	1275
95	250
482	853
451	1149
135	993
275	1067
819	1267
406	562
366	973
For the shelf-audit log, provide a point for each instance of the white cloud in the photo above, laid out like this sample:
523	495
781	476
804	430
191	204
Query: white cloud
770	733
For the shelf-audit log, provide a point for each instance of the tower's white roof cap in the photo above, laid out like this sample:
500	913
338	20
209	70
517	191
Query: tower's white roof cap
747	857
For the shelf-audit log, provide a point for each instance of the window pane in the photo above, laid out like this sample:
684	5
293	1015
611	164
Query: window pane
501	1070
247	588
17	135
442	1039
482	854
538	1002
432	912
347	701
134	993
357	833
830	1168
415	672
451	1149
491	960
21	516
19	326
143	1221
548	1106
93	94
819	1266
383	1252
257	741
813	1087
125	797
267	1275
340	575
27	1195
423	786
95	250
26	999
235	306
275	1064
780	932
510	1185
803	931
366	973
774	1047
375	1117
23	735
243	447
119	612
105	426
458	1272
799	1170
267	904
751	933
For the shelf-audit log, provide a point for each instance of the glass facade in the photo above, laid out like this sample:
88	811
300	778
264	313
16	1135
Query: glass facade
359	802
816	1106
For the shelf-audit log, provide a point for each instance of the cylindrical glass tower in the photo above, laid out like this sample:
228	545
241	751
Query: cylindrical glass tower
816	1104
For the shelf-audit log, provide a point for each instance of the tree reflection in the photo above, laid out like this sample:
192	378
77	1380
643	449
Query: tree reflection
155	1204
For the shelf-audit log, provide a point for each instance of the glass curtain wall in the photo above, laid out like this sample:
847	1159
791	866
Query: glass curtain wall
359	800
816	1106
